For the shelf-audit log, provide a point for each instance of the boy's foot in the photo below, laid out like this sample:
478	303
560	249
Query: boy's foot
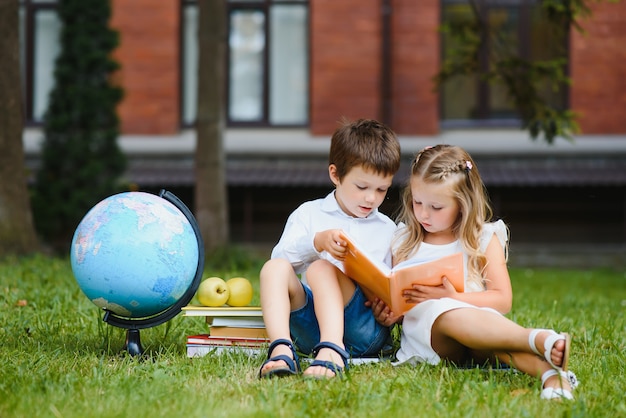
330	361
271	364
282	360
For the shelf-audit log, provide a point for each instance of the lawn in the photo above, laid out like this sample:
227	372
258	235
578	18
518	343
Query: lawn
59	359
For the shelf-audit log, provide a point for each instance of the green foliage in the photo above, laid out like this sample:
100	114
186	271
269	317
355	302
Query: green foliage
81	163
60	359
567	12
234	259
528	82
524	80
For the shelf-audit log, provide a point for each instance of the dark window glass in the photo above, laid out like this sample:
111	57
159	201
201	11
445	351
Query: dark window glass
520	27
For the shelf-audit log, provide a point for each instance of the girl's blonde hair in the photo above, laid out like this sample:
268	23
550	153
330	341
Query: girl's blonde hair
453	167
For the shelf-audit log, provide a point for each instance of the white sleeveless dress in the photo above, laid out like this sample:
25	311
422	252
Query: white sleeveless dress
415	342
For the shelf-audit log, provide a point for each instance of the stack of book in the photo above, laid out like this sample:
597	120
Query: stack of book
231	328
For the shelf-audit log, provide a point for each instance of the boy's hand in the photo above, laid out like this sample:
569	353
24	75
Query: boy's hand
382	313
331	242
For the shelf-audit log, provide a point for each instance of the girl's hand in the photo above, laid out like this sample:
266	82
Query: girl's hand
419	293
331	242
382	313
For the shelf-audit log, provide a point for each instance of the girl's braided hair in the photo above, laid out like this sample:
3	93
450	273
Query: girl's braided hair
452	167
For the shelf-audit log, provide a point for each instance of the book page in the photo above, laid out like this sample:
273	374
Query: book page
428	274
236	321
377	279
431	273
200	310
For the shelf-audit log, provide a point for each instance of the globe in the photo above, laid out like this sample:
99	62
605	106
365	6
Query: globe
139	257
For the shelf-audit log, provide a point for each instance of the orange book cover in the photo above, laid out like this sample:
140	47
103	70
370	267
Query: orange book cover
238	332
378	279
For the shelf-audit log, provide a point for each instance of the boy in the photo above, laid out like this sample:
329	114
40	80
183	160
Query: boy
364	156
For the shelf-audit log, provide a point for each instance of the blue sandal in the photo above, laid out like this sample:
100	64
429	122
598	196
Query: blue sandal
293	364
334	367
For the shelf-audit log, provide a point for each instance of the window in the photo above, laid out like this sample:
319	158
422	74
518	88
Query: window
267	74
40	29
268	81
520	25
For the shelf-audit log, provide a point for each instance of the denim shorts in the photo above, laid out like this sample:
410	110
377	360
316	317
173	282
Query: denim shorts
363	336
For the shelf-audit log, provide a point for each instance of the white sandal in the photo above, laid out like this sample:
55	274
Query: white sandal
548	344
558	393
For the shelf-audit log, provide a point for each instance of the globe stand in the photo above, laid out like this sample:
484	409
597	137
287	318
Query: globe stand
133	341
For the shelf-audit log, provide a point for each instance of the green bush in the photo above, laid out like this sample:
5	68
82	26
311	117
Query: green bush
81	162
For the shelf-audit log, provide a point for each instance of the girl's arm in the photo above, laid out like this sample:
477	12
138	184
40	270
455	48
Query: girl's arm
498	294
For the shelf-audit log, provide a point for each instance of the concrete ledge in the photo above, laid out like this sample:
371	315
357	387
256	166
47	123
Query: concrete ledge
298	142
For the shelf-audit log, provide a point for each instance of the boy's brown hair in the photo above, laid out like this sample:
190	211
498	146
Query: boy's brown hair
367	143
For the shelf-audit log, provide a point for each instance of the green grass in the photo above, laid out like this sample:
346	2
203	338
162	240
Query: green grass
58	359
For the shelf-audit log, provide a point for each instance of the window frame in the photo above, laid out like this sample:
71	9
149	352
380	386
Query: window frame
484	107
265	7
28	10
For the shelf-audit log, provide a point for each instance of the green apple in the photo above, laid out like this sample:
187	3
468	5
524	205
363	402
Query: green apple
213	291
240	291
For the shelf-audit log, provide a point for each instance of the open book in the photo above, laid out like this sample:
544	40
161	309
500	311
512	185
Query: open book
377	279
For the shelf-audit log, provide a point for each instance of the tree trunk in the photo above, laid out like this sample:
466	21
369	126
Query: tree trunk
211	200
17	233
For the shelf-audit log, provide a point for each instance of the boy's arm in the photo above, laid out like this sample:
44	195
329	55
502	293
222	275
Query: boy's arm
296	243
382	313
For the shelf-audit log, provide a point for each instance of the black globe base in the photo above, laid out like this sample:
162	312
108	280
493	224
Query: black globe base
133	343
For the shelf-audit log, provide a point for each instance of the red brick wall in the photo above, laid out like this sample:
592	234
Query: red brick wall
598	70
149	56
415	46
345	62
346	65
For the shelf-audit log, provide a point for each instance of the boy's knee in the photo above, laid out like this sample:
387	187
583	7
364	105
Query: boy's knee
275	266
320	267
278	272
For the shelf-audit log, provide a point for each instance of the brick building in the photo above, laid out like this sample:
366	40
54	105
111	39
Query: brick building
295	67
348	62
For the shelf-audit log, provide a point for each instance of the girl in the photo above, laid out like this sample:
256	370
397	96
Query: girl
445	210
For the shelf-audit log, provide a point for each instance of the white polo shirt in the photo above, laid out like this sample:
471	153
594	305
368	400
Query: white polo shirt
373	233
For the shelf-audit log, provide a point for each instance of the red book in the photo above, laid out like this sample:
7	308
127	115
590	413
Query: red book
209	340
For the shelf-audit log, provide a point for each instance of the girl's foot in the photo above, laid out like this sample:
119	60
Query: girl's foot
558	385
556	347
